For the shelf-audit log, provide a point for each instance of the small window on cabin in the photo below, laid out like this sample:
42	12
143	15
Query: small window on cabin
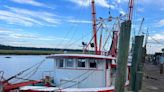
69	63
60	63
81	63
92	64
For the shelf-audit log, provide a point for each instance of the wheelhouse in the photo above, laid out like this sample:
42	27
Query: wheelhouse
83	70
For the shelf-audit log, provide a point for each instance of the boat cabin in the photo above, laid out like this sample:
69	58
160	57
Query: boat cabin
84	70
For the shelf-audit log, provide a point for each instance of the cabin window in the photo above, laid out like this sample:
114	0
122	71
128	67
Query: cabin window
81	63
92	64
69	63
60	63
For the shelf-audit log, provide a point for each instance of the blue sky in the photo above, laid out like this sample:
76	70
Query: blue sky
66	23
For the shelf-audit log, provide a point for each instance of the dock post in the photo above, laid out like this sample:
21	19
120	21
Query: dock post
137	65
161	68
140	70
123	49
1	87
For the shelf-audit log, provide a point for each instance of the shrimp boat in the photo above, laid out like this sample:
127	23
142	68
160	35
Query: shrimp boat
80	72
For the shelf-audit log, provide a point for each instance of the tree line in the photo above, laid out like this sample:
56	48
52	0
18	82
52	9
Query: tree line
7	47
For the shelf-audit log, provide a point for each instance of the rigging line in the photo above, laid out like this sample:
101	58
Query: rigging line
80	80
93	37
77	82
156	40
33	71
20	78
73	27
140	28
36	69
77	26
79	39
23	71
76	77
18	74
108	37
73	35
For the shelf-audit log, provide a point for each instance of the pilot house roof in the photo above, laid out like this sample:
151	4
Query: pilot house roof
81	56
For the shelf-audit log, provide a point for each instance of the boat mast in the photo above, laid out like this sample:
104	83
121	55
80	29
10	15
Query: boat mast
131	4
94	26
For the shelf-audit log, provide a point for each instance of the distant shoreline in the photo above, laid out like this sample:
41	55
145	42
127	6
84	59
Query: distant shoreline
17	50
32	52
27	52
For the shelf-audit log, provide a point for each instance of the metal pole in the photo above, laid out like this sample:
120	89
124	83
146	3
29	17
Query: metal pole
94	26
122	59
136	68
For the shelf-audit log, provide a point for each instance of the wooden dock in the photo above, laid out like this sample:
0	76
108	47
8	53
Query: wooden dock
153	81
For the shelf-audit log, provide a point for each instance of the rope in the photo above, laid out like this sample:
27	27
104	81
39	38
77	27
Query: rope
78	82
72	28
36	69
75	77
20	78
156	40
20	73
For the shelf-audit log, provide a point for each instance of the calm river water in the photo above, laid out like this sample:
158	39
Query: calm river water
17	63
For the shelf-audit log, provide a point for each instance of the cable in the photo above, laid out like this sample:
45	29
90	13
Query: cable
156	40
75	77
72	28
28	75
78	82
78	40
35	70
20	73
109	36
20	78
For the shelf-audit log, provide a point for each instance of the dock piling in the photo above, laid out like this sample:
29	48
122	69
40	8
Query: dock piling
137	64
122	59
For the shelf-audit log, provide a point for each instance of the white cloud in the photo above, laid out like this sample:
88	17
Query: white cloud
102	3
121	1
16	34
122	12
12	18
78	21
158	37
155	42
28	17
160	23
140	9
30	2
152	48
42	15
21	38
